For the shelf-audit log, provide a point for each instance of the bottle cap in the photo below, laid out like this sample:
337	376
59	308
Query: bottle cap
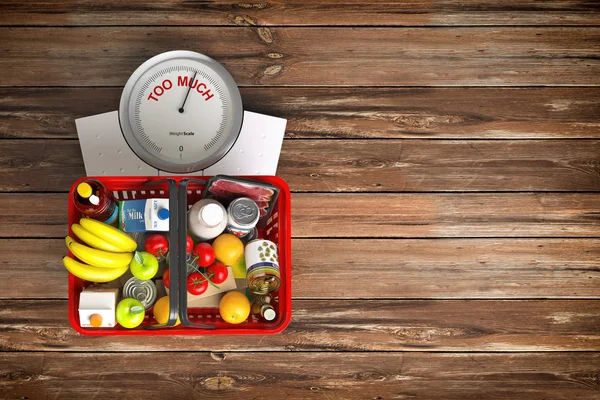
268	313
84	190
96	320
163	214
211	214
95	200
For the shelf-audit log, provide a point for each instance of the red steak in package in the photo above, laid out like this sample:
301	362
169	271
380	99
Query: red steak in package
225	189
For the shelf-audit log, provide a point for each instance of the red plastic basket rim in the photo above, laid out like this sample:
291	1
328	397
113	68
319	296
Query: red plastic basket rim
284	209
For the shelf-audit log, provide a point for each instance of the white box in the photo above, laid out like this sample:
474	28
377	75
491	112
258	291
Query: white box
102	302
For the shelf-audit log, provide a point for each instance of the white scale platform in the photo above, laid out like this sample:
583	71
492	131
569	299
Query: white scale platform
105	151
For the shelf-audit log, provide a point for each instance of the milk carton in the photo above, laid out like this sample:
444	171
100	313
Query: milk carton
97	308
144	215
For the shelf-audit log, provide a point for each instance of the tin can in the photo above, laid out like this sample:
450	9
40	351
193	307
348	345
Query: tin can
262	267
250	237
242	216
144	291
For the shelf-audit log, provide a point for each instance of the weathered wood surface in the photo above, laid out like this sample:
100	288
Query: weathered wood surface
300	376
367	215
417	96
341	325
374	269
342	113
361	165
299	13
310	56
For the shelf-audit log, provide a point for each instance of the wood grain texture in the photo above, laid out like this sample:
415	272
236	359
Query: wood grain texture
445	215
341	113
299	13
408	215
375	269
301	376
360	165
310	56
341	325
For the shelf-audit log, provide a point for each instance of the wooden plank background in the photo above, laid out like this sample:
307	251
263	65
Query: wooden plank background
444	160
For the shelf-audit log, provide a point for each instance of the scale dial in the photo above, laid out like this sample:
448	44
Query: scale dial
181	111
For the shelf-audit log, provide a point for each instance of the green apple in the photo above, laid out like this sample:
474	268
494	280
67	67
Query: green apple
143	265
130	313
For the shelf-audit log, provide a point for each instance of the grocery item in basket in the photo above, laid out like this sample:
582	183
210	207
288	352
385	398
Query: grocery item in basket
144	291
267	311
89	238
234	307
93	200
97	308
228	248
242	216
262	267
207	219
143	265
157	245
109	234
98	258
144	215
250	237
204	254
130	313
93	274
161	311
227	188
258	301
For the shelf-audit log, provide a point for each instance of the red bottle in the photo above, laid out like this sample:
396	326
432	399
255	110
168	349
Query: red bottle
94	201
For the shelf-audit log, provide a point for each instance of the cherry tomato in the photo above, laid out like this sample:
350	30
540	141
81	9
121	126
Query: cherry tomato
189	244
196	284
205	254
166	278
217	273
157	245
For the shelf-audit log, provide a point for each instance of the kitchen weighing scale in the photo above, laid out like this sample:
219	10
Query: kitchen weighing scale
180	113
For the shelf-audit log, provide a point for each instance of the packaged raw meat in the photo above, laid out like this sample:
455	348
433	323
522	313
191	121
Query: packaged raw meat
225	189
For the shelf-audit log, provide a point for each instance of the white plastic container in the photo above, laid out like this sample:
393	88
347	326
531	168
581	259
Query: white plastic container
207	219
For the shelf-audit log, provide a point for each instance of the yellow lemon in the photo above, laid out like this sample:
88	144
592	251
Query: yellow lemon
234	307
228	248
161	311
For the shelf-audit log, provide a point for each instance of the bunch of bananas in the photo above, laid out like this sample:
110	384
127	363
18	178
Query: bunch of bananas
106	258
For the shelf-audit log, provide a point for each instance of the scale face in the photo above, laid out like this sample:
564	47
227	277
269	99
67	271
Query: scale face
181	111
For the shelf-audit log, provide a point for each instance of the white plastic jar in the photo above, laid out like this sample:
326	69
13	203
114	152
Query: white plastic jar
207	219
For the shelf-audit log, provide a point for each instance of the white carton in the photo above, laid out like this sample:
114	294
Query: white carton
102	302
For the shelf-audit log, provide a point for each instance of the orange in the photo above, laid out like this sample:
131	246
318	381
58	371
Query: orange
161	311
228	248
234	307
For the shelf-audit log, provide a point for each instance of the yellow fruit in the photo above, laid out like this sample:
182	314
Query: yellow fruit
239	268
228	248
161	311
98	258
93	274
234	308
93	240
109	233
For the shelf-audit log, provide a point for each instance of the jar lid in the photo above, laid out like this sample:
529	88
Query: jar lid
84	190
211	214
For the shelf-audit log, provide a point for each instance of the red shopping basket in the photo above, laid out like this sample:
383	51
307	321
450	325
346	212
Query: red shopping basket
277	229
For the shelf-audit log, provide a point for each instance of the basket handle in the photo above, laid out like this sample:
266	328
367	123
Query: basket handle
173	255
181	233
